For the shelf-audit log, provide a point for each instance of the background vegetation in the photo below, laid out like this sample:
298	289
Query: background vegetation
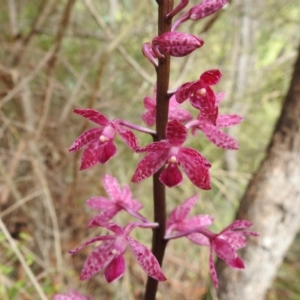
57	55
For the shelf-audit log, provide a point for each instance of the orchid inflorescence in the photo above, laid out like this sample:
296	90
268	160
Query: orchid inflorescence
171	153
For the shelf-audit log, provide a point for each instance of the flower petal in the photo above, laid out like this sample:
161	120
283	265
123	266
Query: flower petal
237	224
146	260
196	167
212	269
127	136
90	241
176	43
236	239
99	203
211	77
198	239
90	155
105	216
219	138
206	8
198	221
149	165
181	211
89	136
107	151
162	145
112	187
132	204
224	250
228	120
115	269
149	118
98	260
219	97
176	133
184	91
171	176
92	115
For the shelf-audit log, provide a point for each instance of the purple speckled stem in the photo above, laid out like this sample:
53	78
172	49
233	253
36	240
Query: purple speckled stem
162	105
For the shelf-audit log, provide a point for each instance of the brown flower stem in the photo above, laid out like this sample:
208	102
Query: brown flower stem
162	104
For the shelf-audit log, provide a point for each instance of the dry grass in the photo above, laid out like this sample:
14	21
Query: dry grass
48	66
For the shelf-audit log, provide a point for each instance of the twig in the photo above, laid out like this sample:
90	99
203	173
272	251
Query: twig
22	260
27	79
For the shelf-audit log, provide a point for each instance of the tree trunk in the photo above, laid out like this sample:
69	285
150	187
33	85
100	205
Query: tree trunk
272	203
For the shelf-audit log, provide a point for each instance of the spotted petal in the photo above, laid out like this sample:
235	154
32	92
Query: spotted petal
196	167
98	260
171	176
127	136
89	136
219	138
180	212
184	91
175	44
228	120
92	115
206	8
146	260
112	187
176	133
149	165
115	269
211	77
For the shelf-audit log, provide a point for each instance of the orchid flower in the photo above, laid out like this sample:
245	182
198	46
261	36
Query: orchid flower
201	95
197	12
73	295
119	199
178	222
176	44
224	244
175	113
171	152
110	254
99	142
212	132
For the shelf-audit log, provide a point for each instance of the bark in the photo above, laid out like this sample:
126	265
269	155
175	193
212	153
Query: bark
272	203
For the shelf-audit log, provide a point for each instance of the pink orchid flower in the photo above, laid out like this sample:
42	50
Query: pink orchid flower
110	254
176	44
175	113
212	132
224	244
119	200
201	95
99	142
73	295
178	222
197	12
170	151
